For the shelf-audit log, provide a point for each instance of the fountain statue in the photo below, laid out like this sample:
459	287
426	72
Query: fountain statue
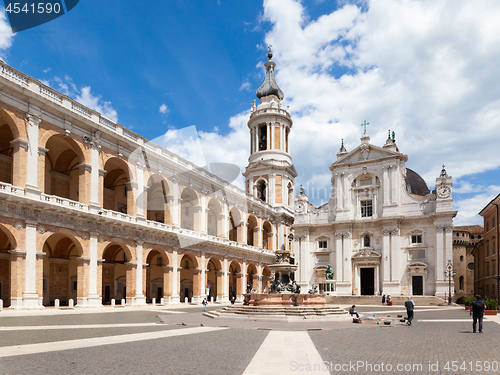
284	290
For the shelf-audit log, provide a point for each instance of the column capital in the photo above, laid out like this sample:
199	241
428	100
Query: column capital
20	142
33	119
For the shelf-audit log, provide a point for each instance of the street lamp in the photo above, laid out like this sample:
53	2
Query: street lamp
449	273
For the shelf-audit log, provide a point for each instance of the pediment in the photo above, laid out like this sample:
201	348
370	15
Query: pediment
367	252
367	152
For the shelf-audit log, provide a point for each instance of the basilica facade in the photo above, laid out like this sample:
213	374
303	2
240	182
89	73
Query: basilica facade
382	232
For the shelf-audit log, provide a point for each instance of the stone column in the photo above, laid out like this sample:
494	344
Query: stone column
17	278
203	210
272	189
175	278
31	299
94	298
132	189
387	186
386	256
140	299
82	272
32	188
139	196
96	185
395	268
259	278
225	221
19	161
225	296
203	279
169	203
167	284
197	290
244	277
176	207
84	182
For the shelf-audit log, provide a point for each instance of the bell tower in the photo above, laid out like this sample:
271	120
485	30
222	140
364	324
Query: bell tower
270	174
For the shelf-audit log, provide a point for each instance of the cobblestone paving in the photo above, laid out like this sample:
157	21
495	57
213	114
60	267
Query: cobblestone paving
423	348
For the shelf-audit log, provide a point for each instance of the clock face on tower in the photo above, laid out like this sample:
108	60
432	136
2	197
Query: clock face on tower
443	191
299	207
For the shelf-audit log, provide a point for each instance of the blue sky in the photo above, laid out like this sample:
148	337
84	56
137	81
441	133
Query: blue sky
426	69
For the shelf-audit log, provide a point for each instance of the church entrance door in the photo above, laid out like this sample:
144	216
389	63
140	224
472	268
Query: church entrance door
417	283
367	276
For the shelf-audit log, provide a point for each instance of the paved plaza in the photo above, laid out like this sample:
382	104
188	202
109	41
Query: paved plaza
180	340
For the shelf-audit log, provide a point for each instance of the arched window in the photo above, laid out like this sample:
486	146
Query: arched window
461	283
262	191
461	258
262	138
366	240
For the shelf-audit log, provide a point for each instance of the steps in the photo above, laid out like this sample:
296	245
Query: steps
377	300
278	313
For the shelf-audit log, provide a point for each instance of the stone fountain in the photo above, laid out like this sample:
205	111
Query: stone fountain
284	291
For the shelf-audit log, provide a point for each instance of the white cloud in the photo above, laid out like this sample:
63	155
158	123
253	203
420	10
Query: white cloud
94	102
469	208
6	34
164	110
245	86
426	69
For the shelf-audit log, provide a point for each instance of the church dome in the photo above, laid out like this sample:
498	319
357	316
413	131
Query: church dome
270	87
415	184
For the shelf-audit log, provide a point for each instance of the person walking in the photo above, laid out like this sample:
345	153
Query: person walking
477	312
383	299
204	304
409	304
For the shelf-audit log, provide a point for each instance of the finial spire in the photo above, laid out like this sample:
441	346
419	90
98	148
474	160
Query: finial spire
393	136
365	124
269	87
443	172
269	52
389	134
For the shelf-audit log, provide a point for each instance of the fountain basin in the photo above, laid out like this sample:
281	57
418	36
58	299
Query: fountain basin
284	299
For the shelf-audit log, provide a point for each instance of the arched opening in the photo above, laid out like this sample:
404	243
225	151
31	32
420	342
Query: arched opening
234	223
261	190
214	279
6	153
156	202
114	274
262	137
366	240
187	278
189	207
213	213
234	280
461	283
117	190
251	230
5	246
252	279
62	171
267	236
155	276
60	269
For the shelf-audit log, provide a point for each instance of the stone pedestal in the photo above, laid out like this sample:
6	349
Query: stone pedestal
256	299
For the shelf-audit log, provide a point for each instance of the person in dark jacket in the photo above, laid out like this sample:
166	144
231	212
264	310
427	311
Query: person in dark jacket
477	312
409	304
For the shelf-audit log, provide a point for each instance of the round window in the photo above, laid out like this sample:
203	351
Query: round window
470	266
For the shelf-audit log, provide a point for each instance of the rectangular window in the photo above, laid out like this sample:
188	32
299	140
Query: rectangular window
416	238
416	254
366	209
322	244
